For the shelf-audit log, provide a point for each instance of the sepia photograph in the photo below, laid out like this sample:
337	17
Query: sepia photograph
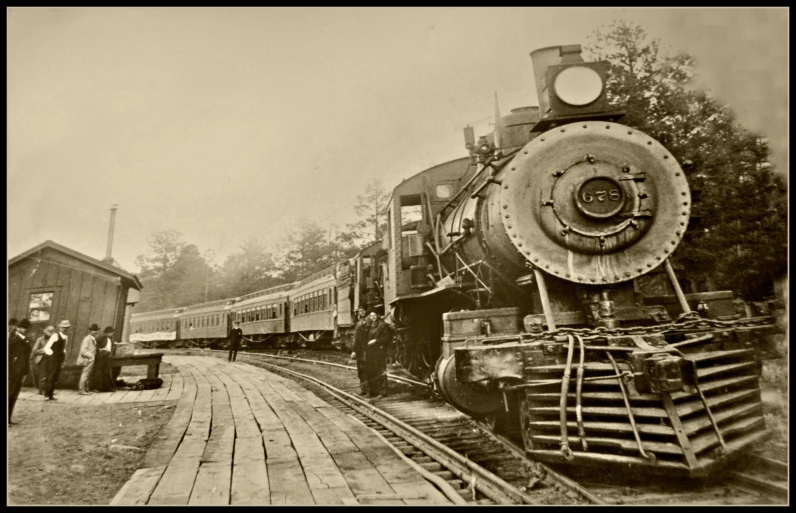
397	256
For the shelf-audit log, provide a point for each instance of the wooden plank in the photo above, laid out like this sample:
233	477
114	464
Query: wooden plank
333	496
212	486
431	496
265	416
176	388
284	392
219	449
82	322
322	472
288	484
175	487
137	490
110	304
97	302
278	446
117	396
333	438
250	486
129	397
73	300
360	474
249	449
145	395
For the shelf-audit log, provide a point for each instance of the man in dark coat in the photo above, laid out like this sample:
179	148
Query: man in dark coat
18	363
376	359
54	356
235	336
360	343
101	378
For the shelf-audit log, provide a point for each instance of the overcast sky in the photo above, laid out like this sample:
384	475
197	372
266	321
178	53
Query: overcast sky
231	123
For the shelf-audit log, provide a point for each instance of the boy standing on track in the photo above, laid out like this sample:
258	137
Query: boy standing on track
235	334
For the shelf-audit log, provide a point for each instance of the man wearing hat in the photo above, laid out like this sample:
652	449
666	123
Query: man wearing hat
235	334
87	356
360	343
54	355
12	326
102	379
36	367
376	359
18	363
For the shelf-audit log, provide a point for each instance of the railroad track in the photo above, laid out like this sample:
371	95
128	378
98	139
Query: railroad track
762	481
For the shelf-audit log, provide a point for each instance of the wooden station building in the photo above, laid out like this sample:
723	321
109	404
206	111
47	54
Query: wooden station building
51	282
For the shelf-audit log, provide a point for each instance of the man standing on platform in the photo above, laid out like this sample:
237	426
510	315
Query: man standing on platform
235	335
54	355
101	379
360	343
37	355
87	357
18	363
378	342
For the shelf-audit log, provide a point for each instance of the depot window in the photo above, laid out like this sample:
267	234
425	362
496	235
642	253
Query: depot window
40	306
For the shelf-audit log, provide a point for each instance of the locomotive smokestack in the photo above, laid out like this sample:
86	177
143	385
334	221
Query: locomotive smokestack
108	258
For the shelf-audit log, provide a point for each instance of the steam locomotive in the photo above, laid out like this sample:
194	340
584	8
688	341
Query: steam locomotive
535	275
531	283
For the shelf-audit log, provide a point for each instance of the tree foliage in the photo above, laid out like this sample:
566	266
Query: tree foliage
372	209
738	238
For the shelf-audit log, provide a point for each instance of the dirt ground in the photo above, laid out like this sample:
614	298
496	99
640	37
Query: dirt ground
70	454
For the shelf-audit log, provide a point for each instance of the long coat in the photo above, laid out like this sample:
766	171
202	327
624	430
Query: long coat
88	350
18	355
361	337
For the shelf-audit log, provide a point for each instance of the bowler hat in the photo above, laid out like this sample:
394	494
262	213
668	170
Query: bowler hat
108	329
93	327
24	324
64	324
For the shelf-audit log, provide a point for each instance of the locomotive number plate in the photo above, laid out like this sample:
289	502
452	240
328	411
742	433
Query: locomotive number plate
600	197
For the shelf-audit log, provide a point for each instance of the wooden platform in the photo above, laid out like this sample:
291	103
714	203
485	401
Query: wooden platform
171	390
242	435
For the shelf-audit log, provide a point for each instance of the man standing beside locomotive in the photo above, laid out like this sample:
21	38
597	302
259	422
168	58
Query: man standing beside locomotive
376	359
87	357
18	363
235	335
360	343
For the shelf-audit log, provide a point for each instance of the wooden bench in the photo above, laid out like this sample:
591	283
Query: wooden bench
152	361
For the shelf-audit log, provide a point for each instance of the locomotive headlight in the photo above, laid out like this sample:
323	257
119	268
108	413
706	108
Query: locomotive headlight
578	86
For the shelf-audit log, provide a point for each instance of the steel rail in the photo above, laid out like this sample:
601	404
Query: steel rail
393	377
549	472
484	481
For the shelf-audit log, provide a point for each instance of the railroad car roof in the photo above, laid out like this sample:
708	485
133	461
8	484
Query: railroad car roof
221	304
319	276
170	312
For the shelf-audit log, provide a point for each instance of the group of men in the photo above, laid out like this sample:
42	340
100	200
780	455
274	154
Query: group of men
371	341
44	358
